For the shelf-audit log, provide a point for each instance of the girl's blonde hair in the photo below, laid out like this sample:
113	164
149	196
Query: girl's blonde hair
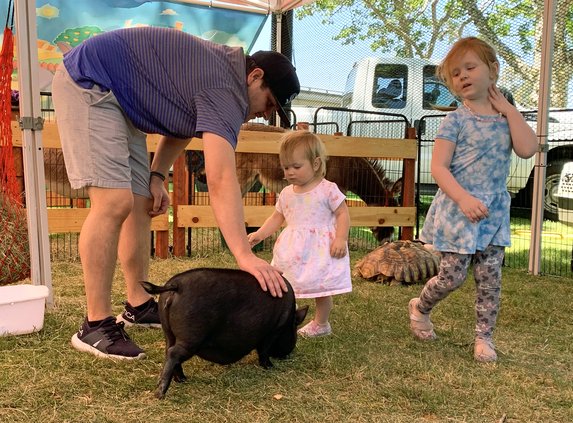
312	145
483	50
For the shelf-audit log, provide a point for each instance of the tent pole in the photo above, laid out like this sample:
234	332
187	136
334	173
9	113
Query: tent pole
279	32
537	203
31	123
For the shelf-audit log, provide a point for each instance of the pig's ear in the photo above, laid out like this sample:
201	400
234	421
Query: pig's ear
300	314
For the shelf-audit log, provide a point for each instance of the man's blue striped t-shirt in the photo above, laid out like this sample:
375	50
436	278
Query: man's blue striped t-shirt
167	82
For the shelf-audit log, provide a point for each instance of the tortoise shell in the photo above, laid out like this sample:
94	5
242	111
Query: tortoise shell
399	262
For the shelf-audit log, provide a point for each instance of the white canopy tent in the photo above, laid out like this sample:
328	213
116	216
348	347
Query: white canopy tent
31	124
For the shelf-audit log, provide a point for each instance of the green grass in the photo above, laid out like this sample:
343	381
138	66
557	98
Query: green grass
556	246
370	370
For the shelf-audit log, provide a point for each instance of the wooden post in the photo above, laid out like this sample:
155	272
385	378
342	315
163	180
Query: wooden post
179	198
162	237
19	162
19	166
408	187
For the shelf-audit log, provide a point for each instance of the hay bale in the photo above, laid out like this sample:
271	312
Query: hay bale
14	247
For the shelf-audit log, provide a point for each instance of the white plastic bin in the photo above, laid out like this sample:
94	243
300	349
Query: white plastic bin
22	309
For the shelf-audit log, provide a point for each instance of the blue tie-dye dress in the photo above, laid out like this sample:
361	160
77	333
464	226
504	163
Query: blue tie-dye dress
480	164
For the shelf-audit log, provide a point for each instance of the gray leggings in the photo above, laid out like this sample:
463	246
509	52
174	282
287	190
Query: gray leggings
452	274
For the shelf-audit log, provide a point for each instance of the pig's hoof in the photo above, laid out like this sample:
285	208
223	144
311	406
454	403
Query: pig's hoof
266	364
180	379
159	394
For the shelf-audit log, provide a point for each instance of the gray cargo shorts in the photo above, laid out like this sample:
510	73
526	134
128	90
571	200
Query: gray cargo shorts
101	146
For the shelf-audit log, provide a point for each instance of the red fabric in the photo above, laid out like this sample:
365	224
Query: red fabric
8	181
14	249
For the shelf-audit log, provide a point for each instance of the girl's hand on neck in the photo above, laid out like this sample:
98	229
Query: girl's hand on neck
499	102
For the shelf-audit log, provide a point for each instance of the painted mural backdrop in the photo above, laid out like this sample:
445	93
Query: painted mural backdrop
63	24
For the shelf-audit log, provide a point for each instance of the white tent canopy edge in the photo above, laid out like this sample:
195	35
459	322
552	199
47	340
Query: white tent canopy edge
256	6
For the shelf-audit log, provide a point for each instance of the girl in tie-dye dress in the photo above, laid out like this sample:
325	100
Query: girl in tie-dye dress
312	250
469	216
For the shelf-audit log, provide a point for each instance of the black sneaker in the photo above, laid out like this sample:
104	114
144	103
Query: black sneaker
107	340
145	315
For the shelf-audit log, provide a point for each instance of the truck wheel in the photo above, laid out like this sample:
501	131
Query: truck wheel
552	176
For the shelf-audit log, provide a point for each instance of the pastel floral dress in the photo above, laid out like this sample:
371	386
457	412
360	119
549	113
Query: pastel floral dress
480	164
302	250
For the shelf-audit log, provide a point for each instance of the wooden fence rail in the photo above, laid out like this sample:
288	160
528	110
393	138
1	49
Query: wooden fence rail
200	216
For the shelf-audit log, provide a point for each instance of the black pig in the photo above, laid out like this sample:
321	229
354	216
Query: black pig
221	315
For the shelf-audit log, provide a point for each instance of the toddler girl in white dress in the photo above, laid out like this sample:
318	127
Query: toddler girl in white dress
312	250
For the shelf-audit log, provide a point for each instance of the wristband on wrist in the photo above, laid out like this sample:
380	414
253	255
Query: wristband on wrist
158	174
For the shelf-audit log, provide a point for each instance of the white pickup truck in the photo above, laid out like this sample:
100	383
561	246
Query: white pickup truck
409	88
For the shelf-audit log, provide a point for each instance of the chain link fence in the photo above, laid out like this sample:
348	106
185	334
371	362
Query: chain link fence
368	69
381	58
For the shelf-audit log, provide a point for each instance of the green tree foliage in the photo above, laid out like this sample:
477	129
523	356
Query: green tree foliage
413	28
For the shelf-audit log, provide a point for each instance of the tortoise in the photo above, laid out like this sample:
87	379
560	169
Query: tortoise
399	262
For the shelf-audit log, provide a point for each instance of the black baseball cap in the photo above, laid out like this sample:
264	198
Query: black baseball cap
280	76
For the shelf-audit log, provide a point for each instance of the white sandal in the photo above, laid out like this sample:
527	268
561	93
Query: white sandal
314	329
420	323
